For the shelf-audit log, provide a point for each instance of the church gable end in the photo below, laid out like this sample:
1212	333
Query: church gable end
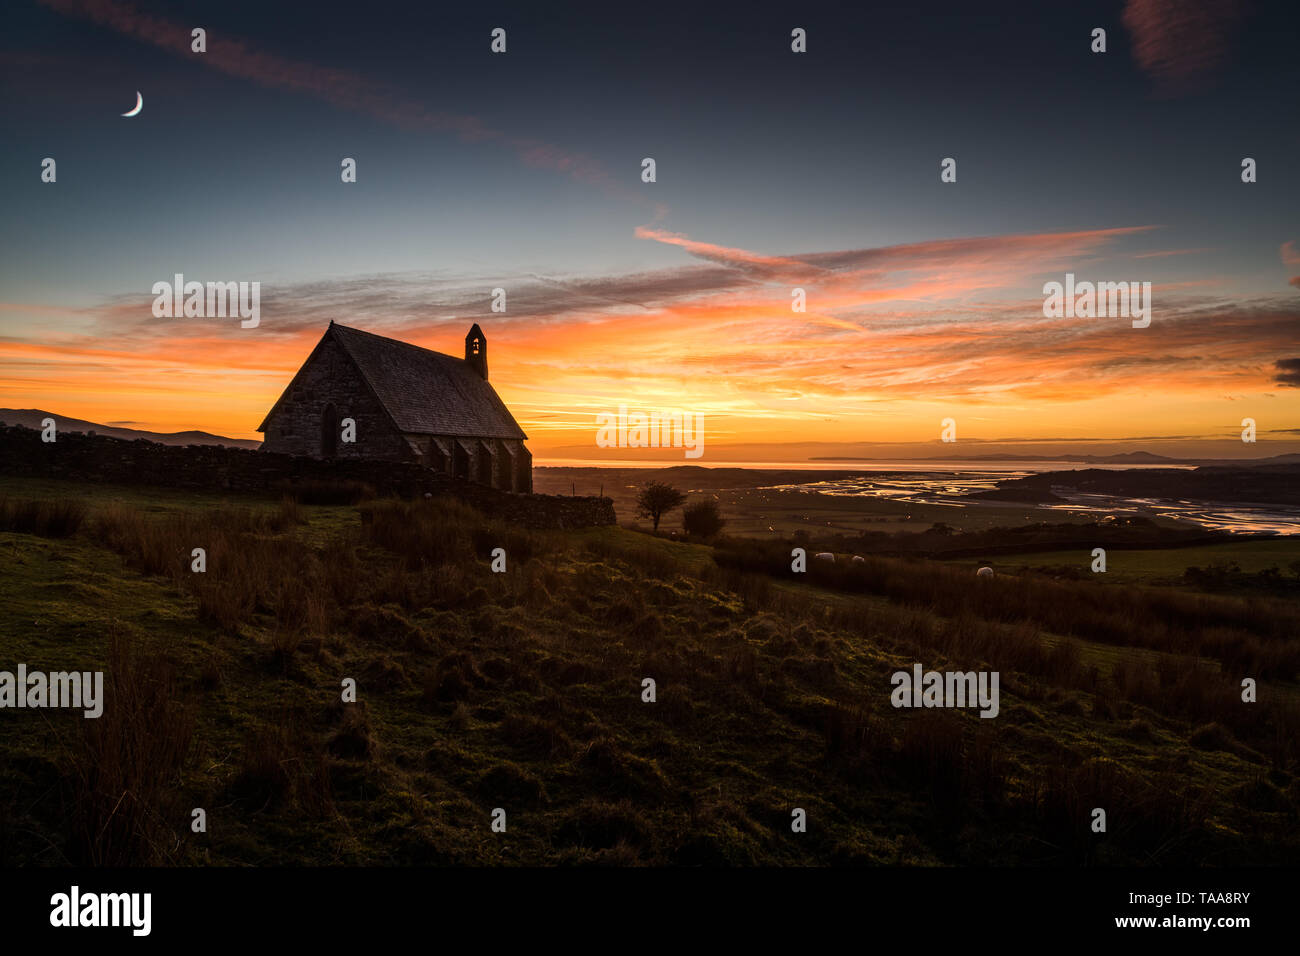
308	419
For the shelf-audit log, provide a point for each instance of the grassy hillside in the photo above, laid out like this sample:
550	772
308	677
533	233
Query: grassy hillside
523	690
1165	566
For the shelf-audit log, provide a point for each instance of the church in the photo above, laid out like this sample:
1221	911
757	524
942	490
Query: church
406	403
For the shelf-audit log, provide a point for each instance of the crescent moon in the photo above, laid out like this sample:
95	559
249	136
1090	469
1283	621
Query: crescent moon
139	105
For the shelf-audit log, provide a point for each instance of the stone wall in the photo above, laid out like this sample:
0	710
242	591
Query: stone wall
99	458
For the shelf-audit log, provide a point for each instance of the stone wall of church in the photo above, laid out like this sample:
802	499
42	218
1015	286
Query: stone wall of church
501	463
329	378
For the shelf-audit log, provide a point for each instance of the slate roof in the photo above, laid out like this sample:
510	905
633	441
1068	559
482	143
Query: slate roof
426	392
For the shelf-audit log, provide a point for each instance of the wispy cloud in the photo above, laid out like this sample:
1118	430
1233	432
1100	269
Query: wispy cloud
1291	259
1181	43
1164	253
343	89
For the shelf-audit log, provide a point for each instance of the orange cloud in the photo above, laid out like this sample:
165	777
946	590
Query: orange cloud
1291	257
891	342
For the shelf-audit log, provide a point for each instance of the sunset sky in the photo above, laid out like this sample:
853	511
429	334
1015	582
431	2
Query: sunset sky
775	170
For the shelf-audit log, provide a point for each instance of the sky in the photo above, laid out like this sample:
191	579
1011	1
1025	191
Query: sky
775	170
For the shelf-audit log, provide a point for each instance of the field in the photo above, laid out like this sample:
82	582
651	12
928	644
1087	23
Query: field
762	512
523	691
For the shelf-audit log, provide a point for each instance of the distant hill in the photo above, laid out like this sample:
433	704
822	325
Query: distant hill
32	418
1275	483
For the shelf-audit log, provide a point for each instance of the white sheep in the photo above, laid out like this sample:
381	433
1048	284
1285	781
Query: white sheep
984	572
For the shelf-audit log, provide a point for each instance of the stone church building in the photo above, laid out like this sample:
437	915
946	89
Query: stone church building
408	403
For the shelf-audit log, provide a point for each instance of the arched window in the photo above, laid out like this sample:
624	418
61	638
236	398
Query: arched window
329	432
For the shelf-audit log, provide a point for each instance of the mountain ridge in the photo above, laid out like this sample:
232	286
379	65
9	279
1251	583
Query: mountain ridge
33	417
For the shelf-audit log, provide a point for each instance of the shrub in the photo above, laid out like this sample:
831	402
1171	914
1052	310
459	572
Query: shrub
702	518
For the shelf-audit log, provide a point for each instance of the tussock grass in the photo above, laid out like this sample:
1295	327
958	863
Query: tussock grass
57	518
318	492
123	797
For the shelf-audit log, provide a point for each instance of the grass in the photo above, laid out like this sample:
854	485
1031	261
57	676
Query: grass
1250	635
1160	566
523	691
49	519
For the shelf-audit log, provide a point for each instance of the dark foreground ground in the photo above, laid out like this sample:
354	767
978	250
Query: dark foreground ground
523	691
